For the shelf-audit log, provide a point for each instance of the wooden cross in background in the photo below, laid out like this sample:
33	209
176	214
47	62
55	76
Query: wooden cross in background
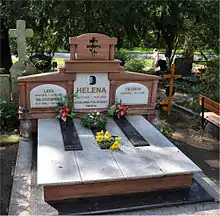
171	76
93	46
21	33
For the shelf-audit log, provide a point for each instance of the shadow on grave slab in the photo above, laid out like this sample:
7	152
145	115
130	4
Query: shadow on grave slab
120	203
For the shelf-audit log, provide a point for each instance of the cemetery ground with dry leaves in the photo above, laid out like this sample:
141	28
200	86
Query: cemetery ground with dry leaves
200	146
8	153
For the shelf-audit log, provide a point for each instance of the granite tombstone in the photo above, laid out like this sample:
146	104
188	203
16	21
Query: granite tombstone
96	76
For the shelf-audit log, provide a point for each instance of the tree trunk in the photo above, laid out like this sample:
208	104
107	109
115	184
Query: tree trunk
188	48
175	48
169	45
5	55
169	49
206	59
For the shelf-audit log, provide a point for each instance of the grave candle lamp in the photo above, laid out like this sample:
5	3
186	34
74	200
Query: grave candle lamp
25	126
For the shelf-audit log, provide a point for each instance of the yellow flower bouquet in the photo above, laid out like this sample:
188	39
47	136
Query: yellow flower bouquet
107	141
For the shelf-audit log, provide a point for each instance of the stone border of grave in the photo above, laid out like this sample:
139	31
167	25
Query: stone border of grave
187	111
21	189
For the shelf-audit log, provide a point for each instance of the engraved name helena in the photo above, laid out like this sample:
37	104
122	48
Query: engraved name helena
91	90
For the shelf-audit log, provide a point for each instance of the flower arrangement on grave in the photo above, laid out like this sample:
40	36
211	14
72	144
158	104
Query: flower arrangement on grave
164	105
107	141
65	108
94	120
118	110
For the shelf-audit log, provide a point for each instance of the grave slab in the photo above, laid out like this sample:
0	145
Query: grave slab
35	205
132	134
169	158
149	132
132	162
54	164
95	164
94	171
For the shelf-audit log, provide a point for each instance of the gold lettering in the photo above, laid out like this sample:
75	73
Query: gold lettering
99	90
78	90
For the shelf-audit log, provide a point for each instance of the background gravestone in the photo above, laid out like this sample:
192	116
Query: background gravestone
19	67
183	66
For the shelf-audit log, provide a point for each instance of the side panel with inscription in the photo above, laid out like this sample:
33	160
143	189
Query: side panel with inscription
132	93
92	90
46	95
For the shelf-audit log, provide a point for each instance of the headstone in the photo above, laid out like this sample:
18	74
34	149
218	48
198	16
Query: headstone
46	95
183	66
132	93
21	33
5	87
96	77
92	90
16	71
19	67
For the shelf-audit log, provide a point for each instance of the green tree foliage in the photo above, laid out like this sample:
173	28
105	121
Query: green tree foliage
168	20
134	65
210	80
164	22
202	27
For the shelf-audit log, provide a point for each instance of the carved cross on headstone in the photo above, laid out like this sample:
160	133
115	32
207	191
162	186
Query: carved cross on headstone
21	33
171	76
93	46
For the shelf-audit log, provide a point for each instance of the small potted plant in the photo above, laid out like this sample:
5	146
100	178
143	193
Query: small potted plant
118	111
107	141
94	120
65	109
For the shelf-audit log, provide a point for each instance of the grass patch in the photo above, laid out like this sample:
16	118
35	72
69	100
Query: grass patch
9	138
60	61
150	50
63	51
199	64
147	62
140	50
